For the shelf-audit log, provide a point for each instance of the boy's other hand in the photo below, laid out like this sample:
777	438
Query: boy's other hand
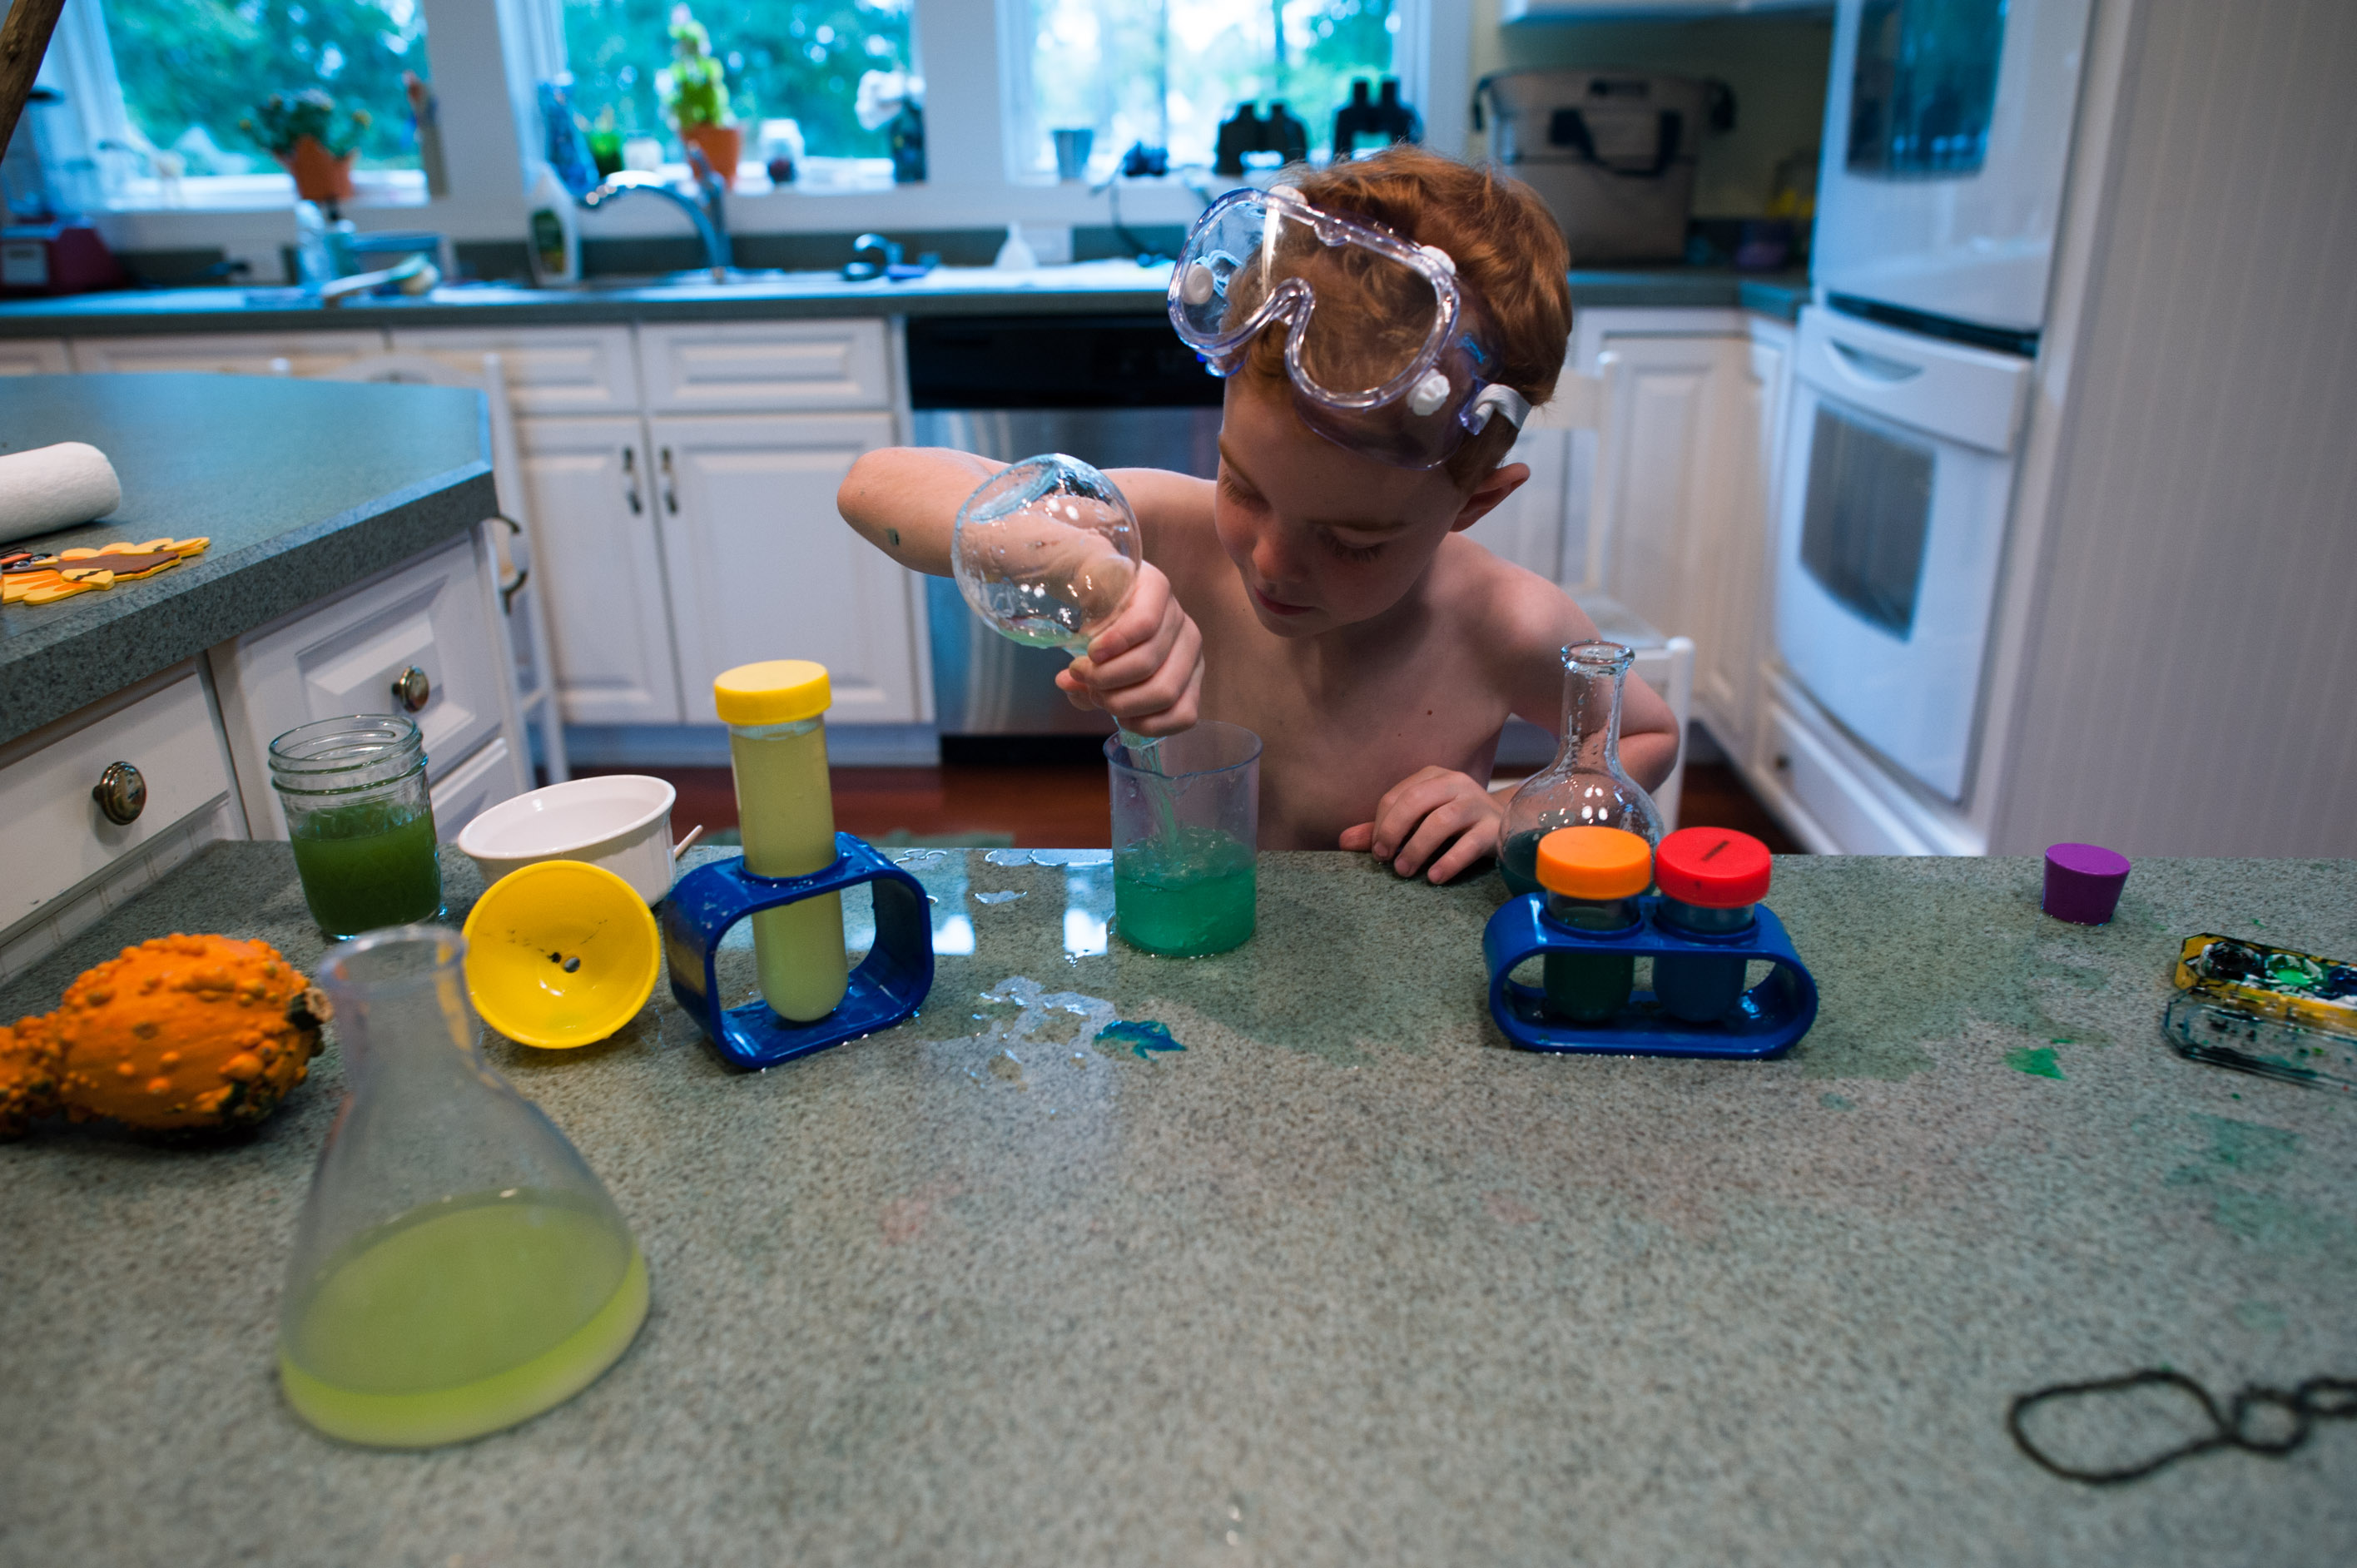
1144	667
1437	818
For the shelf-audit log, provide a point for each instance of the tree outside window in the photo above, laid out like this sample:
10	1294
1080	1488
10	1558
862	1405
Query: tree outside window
1165	73
191	70
786	60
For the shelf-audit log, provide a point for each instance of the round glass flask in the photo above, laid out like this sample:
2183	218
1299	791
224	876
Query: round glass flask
1585	786
457	1268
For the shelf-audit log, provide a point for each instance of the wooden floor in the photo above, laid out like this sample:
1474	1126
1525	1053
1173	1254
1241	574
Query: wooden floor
1066	806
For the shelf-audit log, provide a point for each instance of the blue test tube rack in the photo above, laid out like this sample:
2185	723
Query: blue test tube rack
1767	1020
886	988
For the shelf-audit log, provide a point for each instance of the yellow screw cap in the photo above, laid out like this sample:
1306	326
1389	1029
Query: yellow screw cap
1595	862
774	692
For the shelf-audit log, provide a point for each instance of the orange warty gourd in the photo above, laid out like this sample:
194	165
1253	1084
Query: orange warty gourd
177	1033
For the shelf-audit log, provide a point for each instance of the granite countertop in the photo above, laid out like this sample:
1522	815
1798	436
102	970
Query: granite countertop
1106	285
1345	1280
304	487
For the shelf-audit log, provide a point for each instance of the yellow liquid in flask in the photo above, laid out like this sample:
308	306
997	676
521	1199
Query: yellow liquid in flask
460	1319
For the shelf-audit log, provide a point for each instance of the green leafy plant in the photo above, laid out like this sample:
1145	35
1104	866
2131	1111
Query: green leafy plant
285	118
699	88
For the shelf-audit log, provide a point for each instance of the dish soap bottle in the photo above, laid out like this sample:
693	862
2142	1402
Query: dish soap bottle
1585	786
457	1268
554	241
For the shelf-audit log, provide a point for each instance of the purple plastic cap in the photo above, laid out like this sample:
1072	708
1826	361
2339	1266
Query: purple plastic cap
2082	882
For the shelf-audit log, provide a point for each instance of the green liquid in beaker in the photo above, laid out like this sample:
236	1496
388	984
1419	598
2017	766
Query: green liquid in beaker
367	866
460	1319
1184	895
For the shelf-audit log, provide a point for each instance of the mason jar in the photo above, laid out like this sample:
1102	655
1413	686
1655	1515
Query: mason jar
361	824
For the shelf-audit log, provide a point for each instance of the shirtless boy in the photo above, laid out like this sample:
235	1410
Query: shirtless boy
1320	592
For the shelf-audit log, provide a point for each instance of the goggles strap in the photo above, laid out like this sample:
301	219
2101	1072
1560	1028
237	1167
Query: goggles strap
1494	399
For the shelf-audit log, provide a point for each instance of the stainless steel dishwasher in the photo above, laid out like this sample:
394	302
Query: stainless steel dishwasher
1119	392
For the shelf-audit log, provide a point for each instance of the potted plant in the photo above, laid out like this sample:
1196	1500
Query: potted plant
698	99
300	130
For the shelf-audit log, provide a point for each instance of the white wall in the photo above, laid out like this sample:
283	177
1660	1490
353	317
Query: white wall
2191	650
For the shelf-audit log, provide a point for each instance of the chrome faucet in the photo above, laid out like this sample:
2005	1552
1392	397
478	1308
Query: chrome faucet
711	219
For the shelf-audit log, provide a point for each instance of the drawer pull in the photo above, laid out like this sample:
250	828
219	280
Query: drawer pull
121	793
630	480
411	689
671	485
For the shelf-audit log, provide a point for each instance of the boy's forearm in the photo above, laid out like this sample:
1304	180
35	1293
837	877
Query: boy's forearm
1650	757
904	500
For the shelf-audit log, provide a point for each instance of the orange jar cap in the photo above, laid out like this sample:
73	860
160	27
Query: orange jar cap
1595	862
1713	868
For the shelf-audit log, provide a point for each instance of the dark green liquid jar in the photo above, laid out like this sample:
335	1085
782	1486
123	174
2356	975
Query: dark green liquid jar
1592	877
360	822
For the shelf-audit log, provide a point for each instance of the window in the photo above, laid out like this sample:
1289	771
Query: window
1165	73
784	60
191	72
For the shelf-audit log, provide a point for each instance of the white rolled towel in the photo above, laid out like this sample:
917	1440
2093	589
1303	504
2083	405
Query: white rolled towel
55	487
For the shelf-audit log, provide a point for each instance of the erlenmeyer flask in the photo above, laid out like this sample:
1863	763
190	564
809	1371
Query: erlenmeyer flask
458	1269
1585	786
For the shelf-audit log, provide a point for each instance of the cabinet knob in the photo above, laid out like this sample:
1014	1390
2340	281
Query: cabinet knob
411	689
121	793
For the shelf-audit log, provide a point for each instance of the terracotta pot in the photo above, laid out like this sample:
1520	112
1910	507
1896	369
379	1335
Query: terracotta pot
722	145
320	175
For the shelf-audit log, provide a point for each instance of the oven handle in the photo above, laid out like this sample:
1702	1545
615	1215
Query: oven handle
1875	373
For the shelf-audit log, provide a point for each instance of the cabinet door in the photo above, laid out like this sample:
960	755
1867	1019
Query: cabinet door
600	568
32	357
721	366
549	370
762	566
235	353
1736	544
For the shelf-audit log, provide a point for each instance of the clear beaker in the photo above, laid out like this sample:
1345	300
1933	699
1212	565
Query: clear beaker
457	1268
1185	826
354	791
1585	786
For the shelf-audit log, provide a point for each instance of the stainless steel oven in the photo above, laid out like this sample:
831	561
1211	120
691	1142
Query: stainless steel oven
1119	392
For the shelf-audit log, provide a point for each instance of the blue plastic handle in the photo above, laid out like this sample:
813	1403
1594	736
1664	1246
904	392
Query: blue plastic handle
1768	1018
883	990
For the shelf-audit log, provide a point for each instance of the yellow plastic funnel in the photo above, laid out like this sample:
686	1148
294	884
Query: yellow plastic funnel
561	954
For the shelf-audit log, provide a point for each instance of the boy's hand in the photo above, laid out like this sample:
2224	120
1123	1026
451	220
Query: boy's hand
1145	666
1436	816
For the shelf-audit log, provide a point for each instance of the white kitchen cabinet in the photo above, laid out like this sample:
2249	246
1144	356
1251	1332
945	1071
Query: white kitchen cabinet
549	370
355	653
55	836
760	564
32	357
745	367
493	773
1683	488
232	353
597	551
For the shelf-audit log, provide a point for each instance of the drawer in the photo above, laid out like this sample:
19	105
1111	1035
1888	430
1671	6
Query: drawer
32	357
474	787
759	367
239	353
1828	792
52	834
551	369
343	656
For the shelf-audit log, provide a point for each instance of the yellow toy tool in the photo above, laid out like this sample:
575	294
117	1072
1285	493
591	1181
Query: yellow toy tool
44	579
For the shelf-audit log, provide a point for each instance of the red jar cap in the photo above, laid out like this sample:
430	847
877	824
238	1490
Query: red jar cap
1717	868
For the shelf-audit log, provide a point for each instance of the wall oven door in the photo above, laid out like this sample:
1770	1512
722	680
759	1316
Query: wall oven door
1947	132
1897	479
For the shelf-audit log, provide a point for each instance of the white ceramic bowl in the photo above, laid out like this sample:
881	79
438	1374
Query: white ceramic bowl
621	822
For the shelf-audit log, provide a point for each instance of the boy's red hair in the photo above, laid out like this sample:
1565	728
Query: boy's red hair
1508	250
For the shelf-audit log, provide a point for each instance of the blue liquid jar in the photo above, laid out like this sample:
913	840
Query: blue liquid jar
1709	878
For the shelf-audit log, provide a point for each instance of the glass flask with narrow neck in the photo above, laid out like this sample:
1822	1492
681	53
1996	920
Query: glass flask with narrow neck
1585	786
457	1268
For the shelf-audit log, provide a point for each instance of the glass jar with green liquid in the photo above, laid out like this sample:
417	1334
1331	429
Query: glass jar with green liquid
360	820
775	712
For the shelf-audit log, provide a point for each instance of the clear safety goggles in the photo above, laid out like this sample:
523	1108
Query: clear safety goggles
1385	348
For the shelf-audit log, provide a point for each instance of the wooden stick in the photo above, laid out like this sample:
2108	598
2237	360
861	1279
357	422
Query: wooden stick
24	39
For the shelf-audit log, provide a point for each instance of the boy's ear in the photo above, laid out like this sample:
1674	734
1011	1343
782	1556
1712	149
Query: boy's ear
1500	483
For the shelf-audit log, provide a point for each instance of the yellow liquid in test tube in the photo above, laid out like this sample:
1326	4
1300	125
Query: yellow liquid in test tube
786	810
